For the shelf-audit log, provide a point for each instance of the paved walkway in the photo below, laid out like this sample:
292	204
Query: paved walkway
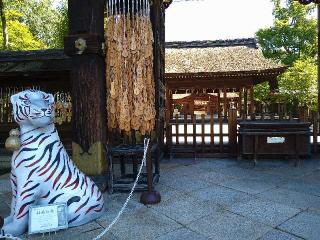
219	199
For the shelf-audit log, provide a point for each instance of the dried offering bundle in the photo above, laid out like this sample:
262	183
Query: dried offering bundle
129	66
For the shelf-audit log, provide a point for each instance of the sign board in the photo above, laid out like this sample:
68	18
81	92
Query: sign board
48	218
276	139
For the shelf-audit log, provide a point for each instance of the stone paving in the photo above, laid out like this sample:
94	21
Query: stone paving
218	199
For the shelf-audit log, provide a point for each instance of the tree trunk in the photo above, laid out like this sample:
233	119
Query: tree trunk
4	27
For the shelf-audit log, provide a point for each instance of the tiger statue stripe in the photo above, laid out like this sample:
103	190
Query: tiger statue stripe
41	170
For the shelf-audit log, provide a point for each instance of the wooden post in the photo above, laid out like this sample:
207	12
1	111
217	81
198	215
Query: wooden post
202	132
84	45
168	117
232	130
194	132
240	102
225	111
315	122
245	105
212	132
157	15
177	129
185	130
302	114
220	125
251	107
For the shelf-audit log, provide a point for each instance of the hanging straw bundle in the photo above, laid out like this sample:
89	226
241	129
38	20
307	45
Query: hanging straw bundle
129	66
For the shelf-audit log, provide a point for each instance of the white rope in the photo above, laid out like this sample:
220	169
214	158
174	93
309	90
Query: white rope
146	145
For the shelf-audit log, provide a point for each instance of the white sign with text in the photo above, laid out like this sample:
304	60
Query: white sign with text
276	139
47	218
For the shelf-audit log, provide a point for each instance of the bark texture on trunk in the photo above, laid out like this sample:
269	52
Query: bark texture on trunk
4	26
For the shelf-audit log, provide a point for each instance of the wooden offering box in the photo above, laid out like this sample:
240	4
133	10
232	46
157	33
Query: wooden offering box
274	138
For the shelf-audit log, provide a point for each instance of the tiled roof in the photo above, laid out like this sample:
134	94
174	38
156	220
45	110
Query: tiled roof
216	56
248	42
33	61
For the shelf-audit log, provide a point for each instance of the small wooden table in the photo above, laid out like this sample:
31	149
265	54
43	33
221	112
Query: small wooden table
129	154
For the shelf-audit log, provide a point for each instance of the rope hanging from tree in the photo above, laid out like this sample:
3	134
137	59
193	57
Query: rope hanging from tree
129	66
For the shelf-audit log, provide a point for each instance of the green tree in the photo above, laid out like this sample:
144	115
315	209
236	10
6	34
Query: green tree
45	19
292	40
261	91
299	83
20	36
61	26
293	34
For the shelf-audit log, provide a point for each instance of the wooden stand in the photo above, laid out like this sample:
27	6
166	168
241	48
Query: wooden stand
131	155
151	196
254	137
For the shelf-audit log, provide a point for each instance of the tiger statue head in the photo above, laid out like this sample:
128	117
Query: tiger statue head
33	107
42	172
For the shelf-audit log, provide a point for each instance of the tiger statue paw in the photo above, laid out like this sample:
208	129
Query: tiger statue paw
41	170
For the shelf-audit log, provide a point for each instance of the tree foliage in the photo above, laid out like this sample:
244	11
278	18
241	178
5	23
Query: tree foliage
45	20
61	26
261	91
293	34
292	40
299	83
21	37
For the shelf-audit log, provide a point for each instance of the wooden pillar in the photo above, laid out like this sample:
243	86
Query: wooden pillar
251	107
315	122
225	111
168	115
157	16
240	102
84	45
192	104
220	123
168	104
245	107
232	130
157	20
303	114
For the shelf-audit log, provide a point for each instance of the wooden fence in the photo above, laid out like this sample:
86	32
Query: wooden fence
207	135
199	134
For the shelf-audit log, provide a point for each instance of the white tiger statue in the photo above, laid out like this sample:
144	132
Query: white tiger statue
42	172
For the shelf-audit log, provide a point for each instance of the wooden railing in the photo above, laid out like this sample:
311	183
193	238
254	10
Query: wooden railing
203	134
216	133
